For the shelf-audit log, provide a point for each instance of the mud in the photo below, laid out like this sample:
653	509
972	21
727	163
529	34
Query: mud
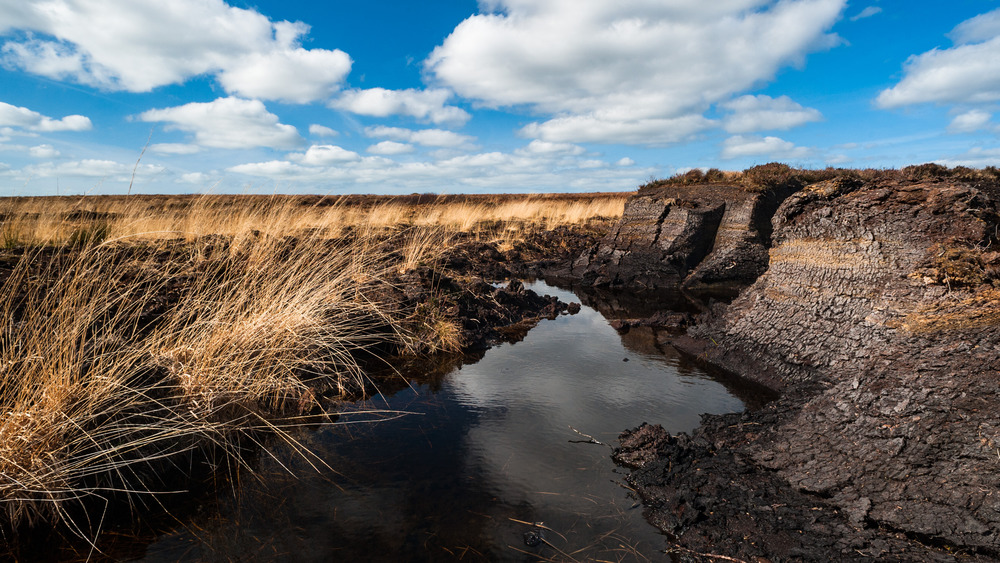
877	321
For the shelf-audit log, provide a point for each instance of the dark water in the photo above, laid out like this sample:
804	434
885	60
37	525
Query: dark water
485	454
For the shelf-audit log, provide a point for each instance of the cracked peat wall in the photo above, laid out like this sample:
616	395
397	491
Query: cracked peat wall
902	346
711	237
878	316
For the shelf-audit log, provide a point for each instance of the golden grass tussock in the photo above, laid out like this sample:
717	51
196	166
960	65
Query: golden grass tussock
138	331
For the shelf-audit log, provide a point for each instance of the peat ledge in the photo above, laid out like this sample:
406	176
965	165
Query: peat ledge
873	305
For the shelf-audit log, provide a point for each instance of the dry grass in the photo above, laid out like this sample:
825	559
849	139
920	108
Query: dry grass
65	220
137	332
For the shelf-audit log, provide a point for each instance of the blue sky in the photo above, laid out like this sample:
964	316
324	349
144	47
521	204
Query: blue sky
492	96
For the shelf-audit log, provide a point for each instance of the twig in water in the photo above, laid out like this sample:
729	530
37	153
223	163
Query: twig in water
676	548
589	439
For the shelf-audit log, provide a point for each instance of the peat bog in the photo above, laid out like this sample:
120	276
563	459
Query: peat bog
174	365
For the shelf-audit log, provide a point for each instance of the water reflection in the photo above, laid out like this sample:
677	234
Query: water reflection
486	453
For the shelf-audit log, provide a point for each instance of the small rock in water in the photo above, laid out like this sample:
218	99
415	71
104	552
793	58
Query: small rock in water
624	359
532	538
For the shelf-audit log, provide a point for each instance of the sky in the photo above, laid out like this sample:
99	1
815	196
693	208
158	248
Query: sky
460	96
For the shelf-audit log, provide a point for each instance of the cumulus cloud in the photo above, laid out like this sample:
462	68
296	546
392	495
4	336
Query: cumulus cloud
426	105
43	151
23	118
293	75
977	157
514	171
274	169
974	30
194	178
90	168
770	147
633	71
761	113
545	147
608	129
968	73
388	148
625	162
228	123
324	155
322	131
139	46
423	137
174	148
971	121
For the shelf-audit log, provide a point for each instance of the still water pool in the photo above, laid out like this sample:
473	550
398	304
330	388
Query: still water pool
489	461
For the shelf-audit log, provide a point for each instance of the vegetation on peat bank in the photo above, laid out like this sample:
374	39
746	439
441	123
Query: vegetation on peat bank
140	333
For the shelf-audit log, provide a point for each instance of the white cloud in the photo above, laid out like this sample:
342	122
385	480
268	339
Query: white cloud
388	148
90	168
494	171
324	155
426	105
625	162
423	137
971	121
977	157
139	46
274	169
633	71
194	178
867	13
598	129
761	113
770	147
292	75
43	151
174	148
322	131
15	116
608	129
967	73
545	147
228	123
980	28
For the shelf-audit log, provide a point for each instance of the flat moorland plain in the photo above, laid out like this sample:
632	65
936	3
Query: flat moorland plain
140	333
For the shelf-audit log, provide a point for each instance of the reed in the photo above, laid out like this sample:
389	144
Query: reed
140	332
